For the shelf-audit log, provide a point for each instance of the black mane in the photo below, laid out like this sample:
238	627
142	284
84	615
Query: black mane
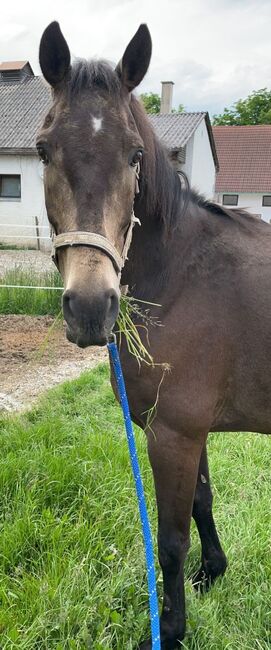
160	184
237	214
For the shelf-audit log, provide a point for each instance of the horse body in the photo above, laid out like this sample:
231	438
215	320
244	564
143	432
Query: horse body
207	267
217	342
216	316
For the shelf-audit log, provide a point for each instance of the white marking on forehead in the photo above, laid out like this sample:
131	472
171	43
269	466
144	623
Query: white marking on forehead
97	123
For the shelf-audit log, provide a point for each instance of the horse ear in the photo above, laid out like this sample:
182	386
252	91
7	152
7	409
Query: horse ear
54	55
135	61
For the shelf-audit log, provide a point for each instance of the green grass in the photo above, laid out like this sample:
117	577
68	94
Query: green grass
72	570
35	302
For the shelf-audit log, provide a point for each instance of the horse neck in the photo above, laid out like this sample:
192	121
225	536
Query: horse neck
158	206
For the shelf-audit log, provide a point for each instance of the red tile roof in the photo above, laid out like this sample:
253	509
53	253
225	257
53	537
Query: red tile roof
244	155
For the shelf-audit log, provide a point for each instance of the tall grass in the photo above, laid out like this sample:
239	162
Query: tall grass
35	302
72	572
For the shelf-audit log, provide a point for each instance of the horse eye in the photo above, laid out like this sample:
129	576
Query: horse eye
137	157
42	154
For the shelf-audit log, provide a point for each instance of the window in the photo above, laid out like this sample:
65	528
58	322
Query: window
10	186
266	201
230	199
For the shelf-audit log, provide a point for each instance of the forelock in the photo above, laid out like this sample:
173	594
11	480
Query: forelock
89	75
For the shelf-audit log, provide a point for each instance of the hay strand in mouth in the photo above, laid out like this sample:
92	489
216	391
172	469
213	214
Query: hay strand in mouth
130	311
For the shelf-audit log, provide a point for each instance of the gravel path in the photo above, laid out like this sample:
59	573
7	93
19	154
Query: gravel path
26	370
35	260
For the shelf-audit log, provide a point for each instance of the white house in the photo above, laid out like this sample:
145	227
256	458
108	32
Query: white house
189	140
244	176
24	100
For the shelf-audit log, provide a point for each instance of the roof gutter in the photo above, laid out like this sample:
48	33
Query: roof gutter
18	151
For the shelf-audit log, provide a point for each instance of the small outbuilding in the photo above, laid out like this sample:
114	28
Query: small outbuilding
23	102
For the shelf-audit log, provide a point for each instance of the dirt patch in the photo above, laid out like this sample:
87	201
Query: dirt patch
26	369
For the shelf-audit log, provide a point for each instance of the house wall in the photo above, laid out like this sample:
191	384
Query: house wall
187	166
252	201
22	212
199	163
202	165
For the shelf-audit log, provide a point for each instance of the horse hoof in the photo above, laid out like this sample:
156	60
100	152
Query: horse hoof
203	579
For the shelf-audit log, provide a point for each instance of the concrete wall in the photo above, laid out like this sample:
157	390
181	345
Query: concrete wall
252	201
17	213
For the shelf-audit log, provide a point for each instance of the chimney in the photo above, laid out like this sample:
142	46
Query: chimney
166	99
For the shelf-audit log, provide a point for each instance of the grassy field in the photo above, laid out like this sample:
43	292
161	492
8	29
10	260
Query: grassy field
71	555
35	302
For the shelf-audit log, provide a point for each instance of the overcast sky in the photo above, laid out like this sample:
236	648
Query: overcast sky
215	51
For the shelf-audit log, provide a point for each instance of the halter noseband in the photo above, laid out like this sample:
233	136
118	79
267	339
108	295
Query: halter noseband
94	240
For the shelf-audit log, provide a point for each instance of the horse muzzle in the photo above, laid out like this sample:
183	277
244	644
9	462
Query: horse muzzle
90	320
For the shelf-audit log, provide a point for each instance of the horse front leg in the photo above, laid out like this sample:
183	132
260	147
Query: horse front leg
175	460
213	559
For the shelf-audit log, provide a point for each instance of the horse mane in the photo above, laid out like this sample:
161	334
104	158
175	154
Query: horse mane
239	215
160	186
159	182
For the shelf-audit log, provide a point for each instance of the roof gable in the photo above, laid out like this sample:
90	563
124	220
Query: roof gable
175	129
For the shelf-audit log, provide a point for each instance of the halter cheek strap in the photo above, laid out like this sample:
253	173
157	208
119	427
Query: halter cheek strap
94	240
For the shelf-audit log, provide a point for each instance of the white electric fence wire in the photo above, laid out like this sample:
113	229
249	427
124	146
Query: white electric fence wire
24	237
20	225
25	286
21	286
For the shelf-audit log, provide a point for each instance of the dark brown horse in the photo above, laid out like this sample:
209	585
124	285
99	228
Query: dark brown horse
209	268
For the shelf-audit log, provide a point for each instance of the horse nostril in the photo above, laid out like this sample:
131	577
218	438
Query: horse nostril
112	306
68	302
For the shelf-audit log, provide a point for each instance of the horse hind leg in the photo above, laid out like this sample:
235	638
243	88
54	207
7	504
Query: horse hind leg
213	559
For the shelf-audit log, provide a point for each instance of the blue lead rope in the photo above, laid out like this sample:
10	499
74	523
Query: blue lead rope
153	601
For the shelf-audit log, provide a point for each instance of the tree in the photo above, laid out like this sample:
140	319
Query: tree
255	109
152	103
180	109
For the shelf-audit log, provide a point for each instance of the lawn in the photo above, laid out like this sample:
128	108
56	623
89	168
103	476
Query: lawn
71	555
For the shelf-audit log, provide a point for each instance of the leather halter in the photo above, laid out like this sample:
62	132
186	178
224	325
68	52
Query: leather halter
94	240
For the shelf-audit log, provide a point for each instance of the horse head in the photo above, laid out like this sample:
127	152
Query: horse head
91	150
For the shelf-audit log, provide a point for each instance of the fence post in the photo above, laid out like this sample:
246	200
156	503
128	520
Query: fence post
37	232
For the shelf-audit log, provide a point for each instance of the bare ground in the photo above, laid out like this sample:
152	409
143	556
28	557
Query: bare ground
26	369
